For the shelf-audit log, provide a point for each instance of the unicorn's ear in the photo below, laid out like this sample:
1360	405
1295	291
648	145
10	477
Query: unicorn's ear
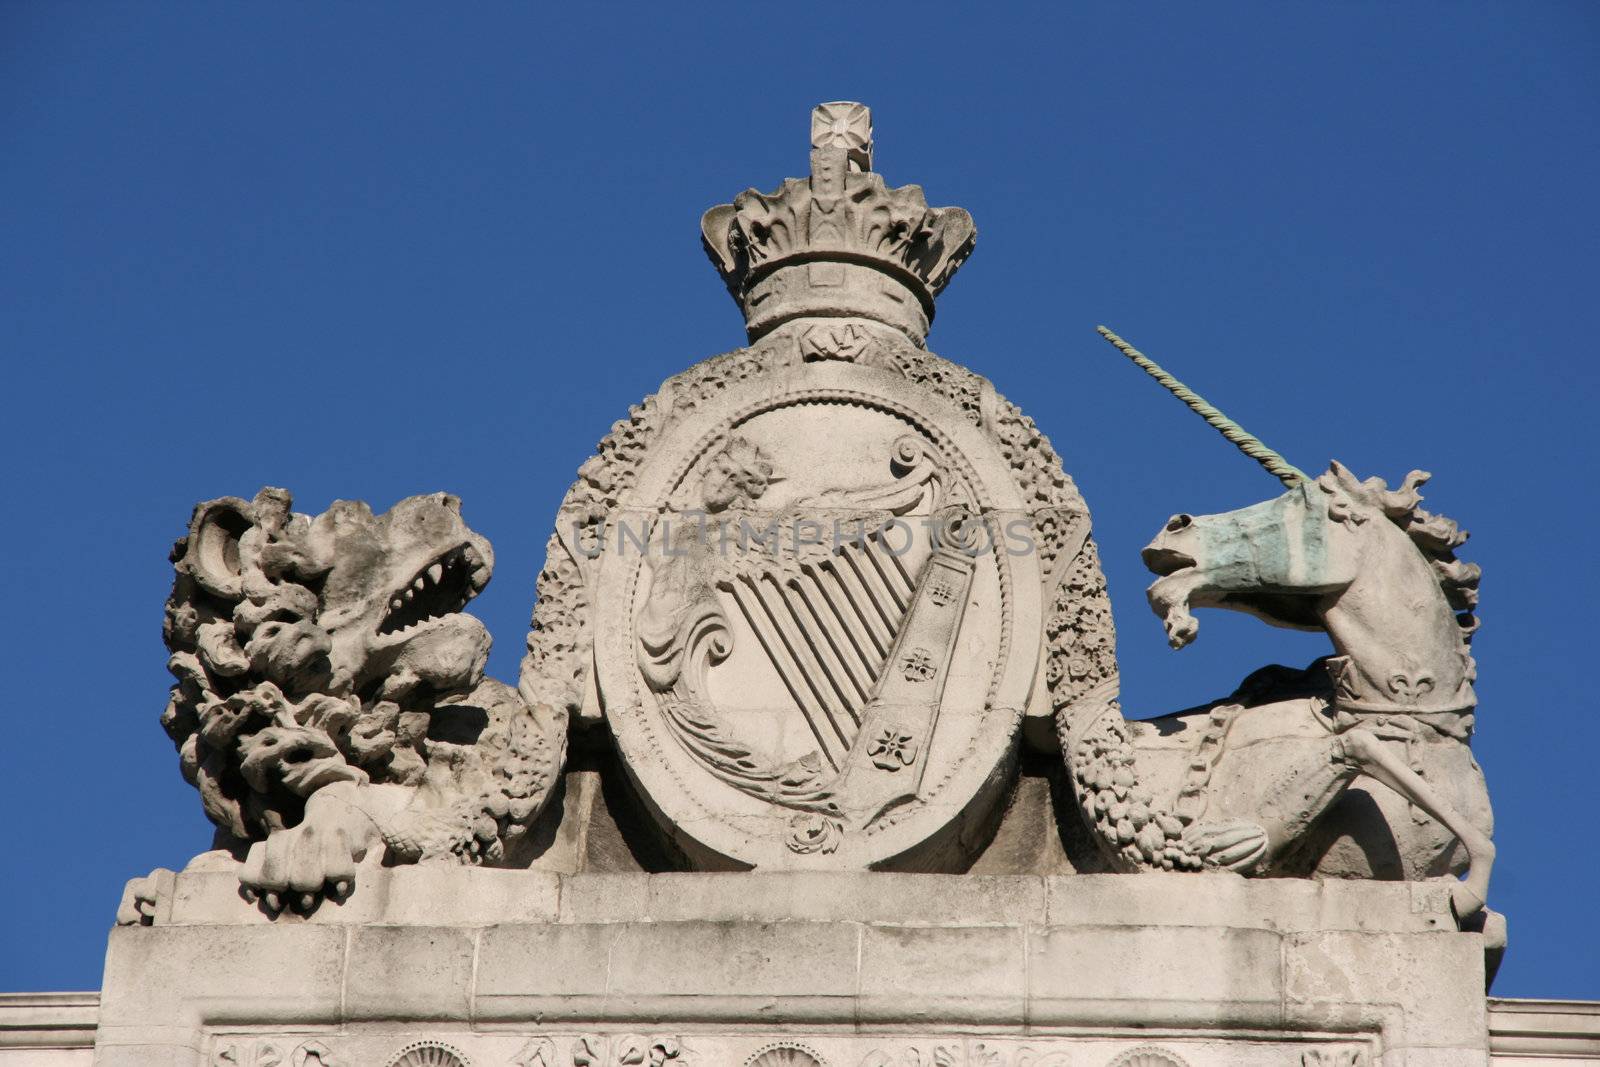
1337	477
1344	493
1341	474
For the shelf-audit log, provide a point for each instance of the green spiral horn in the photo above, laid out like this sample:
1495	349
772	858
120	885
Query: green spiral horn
1246	442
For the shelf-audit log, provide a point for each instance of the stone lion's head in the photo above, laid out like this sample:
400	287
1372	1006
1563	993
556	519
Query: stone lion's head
310	650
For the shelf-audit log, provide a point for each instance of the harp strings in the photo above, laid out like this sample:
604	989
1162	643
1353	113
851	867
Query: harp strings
827	627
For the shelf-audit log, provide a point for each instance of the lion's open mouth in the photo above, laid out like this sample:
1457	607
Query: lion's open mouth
1166	561
441	588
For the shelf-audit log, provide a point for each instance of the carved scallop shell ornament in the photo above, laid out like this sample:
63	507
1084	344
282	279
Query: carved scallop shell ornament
428	1054
1147	1056
786	1055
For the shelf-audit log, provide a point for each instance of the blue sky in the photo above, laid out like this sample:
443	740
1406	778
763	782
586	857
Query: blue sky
363	256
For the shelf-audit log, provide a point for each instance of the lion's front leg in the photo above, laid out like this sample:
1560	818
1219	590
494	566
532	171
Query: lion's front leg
318	857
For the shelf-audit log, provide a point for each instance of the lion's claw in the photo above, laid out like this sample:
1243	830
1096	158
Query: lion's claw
300	865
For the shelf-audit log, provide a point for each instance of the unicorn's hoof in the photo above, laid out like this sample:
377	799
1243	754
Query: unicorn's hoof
1465	902
1492	925
1182	631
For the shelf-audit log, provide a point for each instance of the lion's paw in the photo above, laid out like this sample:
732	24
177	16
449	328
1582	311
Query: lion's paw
299	866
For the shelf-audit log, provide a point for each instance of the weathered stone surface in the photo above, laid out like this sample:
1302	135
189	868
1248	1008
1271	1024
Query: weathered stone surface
1522	1034
58	1030
1227	900
1216	976
409	972
47	1029
730	972
392	896
1339	978
552	971
1539	1033
944	975
1384	970
804	897
271	974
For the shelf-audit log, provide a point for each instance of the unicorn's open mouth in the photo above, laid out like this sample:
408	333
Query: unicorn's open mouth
1166	561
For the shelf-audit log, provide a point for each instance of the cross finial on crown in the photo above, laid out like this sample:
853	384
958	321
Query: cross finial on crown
844	124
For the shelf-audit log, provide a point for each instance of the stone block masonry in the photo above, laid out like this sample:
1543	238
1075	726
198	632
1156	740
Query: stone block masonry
845	968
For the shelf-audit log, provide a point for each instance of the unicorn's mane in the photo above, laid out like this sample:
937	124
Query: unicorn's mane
1438	537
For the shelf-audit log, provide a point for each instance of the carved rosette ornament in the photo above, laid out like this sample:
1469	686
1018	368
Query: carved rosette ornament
805	583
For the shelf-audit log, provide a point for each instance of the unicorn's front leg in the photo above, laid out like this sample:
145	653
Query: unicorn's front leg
1379	762
1169	598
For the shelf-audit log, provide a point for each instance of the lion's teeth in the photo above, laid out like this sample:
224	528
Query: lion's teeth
409	593
436	572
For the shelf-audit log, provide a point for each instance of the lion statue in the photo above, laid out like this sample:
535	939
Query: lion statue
330	702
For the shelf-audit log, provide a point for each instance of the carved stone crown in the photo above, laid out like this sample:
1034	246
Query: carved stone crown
839	244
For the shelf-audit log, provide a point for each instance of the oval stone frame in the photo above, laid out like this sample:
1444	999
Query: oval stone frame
715	826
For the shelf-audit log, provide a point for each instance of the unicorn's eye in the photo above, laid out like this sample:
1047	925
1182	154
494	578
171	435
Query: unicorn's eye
1178	522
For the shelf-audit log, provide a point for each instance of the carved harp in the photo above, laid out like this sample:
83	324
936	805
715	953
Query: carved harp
828	626
862	633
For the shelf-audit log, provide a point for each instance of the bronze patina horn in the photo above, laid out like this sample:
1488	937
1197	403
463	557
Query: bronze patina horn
1246	442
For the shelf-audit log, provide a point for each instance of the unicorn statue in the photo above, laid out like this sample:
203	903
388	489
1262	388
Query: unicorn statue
1358	766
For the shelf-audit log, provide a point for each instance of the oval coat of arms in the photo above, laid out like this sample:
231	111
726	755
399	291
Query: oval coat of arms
819	623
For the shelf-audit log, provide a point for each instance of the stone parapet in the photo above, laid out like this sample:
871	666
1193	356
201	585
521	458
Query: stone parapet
1544	1033
58	1029
847	969
47	1029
